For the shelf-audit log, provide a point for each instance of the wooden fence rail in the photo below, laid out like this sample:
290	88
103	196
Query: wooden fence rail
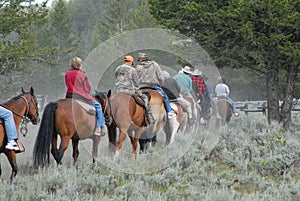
261	106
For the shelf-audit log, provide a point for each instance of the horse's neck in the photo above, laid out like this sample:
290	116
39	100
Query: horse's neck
18	109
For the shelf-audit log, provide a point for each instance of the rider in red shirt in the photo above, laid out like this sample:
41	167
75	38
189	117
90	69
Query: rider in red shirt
78	86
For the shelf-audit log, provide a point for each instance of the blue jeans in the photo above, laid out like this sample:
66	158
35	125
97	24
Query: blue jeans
166	99
232	103
9	123
100	115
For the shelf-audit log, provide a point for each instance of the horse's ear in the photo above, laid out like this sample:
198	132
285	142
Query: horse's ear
109	93
23	91
31	91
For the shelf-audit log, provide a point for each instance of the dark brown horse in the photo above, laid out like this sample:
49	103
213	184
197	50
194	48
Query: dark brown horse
223	111
129	117
22	106
68	119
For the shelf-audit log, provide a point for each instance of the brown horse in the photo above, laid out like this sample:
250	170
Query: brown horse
22	106
223	111
67	118
129	117
149	136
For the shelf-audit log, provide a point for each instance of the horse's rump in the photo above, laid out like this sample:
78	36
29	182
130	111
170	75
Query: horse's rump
224	109
71	117
126	110
181	114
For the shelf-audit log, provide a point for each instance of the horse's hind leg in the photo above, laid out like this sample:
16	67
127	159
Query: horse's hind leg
54	147
122	137
75	149
62	148
134	143
96	140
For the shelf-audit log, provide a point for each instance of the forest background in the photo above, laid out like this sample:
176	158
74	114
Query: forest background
254	44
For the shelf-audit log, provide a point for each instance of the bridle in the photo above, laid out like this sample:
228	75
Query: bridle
25	118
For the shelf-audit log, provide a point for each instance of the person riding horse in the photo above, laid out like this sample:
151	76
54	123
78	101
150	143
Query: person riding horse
222	91
184	80
78	86
172	89
203	94
150	75
127	80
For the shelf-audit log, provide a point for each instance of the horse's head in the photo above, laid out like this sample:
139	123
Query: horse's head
32	111
103	99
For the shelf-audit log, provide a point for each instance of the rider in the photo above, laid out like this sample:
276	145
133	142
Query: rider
172	90
184	80
150	75
78	86
127	80
222	90
10	129
202	93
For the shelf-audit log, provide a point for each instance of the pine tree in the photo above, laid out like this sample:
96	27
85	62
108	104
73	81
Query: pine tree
18	48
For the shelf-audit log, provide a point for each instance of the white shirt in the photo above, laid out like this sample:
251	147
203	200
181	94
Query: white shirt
222	90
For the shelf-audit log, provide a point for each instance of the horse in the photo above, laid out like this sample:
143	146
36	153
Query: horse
129	117
223	111
149	136
68	119
195	110
23	107
181	121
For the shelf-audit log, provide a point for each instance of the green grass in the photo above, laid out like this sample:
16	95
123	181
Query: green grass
246	160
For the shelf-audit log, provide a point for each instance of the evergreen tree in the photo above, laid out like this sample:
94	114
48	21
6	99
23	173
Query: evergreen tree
60	31
18	48
260	35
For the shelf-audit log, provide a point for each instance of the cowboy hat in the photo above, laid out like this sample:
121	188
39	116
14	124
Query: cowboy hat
187	70
197	72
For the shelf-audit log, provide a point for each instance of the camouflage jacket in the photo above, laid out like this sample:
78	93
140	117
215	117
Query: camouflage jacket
149	73
126	78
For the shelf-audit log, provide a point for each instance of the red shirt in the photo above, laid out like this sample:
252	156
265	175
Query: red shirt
200	84
77	83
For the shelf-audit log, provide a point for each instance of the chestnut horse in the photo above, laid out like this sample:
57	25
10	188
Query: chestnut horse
68	119
223	111
129	117
22	106
149	136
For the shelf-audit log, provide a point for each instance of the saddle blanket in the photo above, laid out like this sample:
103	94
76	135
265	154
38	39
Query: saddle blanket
87	107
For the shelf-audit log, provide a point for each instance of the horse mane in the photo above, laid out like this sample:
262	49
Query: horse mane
100	96
14	99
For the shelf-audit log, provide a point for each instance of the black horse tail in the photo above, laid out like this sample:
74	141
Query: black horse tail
112	136
43	141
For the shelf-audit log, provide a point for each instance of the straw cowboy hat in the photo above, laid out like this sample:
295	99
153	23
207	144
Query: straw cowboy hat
197	72
187	70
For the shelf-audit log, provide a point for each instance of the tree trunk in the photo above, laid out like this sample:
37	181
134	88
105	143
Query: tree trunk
286	108
273	93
